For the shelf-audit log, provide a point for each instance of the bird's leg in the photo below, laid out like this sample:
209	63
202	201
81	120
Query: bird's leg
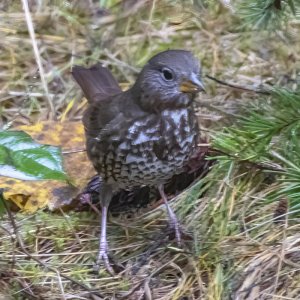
105	198
172	217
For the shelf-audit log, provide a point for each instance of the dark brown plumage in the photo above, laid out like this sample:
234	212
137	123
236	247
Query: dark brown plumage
142	136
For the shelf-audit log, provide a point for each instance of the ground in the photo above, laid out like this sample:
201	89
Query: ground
236	250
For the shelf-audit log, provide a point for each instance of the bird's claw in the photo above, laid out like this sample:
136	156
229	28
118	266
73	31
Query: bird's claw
103	258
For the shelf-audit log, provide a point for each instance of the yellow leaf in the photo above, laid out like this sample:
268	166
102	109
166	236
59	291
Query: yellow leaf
68	108
32	195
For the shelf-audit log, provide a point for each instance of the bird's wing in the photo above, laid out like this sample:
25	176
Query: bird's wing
102	116
97	82
111	115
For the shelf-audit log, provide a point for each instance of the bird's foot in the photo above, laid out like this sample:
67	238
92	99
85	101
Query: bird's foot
173	221
176	228
103	258
109	263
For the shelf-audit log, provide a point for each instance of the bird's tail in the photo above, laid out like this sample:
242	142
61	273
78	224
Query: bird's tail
96	82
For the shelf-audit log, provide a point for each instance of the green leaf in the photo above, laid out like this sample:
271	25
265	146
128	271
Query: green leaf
23	158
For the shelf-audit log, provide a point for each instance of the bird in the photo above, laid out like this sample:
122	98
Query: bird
142	136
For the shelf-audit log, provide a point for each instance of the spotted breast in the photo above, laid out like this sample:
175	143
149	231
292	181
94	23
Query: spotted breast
154	148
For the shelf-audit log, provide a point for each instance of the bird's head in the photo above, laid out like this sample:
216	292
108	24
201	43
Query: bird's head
170	79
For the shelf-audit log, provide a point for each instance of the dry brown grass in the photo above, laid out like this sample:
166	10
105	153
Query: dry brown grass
237	252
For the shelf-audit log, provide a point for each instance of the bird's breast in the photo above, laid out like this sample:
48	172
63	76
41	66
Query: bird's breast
152	150
164	136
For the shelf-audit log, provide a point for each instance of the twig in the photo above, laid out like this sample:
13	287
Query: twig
26	289
258	91
73	151
22	246
281	257
21	94
61	287
119	62
38	57
259	165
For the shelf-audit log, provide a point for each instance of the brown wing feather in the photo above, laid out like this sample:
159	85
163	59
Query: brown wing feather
100	114
97	82
110	113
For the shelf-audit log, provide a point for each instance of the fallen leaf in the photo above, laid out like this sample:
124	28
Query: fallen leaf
32	195
23	158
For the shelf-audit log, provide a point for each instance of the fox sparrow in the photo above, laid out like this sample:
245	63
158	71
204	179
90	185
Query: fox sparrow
142	136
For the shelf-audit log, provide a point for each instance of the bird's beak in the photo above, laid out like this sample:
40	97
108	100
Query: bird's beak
192	85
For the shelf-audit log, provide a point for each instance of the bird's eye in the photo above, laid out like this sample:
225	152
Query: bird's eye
167	74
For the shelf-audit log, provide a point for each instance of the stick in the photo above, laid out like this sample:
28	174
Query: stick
38	57
263	92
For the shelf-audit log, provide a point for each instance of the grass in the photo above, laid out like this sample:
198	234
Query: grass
237	251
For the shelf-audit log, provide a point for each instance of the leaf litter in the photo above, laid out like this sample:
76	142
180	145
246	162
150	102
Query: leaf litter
237	251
